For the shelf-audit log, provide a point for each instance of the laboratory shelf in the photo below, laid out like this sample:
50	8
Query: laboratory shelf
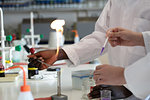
52	5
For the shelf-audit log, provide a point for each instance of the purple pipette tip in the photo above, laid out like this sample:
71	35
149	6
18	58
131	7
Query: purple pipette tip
102	50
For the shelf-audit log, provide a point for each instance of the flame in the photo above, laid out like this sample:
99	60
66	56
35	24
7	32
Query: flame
58	26
61	30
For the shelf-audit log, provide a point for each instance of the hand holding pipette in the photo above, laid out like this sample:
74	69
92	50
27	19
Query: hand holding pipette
124	37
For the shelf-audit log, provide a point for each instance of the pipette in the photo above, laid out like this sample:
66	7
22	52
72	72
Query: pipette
103	47
44	63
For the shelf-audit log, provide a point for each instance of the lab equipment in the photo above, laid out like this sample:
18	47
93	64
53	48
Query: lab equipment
17	54
2	38
76	37
83	80
2	71
32	27
25	93
31	38
103	47
59	96
105	94
32	71
87	86
3	48
52	43
80	77
57	39
117	92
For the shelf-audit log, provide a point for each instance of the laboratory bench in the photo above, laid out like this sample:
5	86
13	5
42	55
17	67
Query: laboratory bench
45	87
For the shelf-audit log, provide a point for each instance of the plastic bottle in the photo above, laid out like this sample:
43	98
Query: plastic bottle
17	54
2	72
76	37
25	93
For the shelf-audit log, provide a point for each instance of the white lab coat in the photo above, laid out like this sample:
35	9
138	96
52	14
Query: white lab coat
130	14
137	75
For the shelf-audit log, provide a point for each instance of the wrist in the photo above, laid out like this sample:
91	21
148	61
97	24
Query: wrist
123	77
139	41
62	55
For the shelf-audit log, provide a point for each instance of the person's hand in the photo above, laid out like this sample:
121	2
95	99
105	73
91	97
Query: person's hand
47	56
124	37
109	75
117	92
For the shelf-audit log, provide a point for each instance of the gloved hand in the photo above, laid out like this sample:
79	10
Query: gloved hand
117	92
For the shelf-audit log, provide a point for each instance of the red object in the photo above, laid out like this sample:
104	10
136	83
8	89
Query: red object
32	50
25	88
91	88
48	98
13	37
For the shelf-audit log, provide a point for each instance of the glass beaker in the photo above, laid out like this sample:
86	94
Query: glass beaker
105	94
85	89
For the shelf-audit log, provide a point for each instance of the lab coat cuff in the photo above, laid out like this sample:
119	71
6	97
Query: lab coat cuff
130	83
72	55
146	36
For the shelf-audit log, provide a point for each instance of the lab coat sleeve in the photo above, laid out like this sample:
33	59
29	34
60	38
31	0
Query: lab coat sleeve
89	47
146	36
137	77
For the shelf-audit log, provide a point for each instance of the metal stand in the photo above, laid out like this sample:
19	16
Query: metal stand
59	96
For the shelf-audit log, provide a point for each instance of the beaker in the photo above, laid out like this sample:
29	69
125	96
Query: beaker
105	94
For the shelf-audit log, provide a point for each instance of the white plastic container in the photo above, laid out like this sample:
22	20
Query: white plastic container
76	39
25	93
79	77
25	96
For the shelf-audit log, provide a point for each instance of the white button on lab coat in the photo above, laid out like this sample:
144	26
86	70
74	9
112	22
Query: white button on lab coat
130	14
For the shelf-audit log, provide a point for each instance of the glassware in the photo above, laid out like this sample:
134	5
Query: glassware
87	85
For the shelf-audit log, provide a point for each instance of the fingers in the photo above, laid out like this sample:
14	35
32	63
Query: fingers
94	94
114	43
99	67
100	82
114	32
38	54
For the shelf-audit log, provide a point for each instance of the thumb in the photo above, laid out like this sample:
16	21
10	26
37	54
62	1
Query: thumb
98	67
51	60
